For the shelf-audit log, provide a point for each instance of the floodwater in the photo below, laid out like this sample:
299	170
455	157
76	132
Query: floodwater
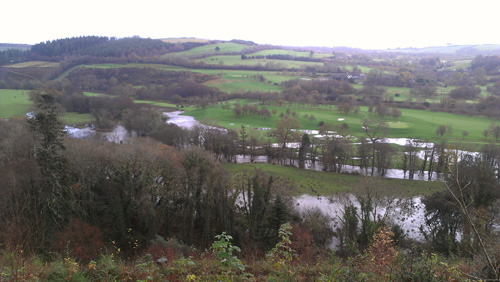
410	218
80	133
186	122
118	135
407	213
348	169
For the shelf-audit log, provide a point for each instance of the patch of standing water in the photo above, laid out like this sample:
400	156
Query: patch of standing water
249	159
80	133
309	131
287	145
409	218
118	135
348	169
406	141
187	122
459	153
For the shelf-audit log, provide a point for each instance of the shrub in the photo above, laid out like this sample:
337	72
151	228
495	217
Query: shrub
79	240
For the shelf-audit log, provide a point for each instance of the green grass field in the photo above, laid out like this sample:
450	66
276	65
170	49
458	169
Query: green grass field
289	52
94	94
362	68
156	103
242	80
484	92
413	123
230	80
235	83
319	183
14	103
76	119
17	103
111	66
460	64
228	47
404	94
232	60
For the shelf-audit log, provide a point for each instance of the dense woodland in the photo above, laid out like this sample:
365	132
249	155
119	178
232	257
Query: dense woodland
85	210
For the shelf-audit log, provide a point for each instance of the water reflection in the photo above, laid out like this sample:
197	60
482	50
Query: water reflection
409	215
186	122
119	134
80	133
348	169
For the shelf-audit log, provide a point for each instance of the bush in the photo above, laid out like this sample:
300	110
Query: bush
79	240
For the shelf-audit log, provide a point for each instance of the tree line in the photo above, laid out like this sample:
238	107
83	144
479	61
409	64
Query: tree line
285	57
123	192
124	195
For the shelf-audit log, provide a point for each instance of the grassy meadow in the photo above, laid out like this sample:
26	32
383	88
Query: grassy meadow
156	103
14	103
460	64
132	65
76	119
404	94
229	80
289	52
319	183
227	47
232	60
232	84
95	94
412	123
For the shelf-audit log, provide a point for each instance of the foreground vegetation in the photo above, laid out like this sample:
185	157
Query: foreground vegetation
290	260
104	208
171	205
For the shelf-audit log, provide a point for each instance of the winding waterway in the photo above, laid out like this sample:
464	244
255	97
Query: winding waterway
409	220
121	135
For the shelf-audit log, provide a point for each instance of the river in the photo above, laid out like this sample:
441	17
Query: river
120	135
410	220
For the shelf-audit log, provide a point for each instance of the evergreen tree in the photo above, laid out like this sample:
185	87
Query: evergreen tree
54	189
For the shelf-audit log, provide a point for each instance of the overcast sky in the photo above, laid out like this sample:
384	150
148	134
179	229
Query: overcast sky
367	24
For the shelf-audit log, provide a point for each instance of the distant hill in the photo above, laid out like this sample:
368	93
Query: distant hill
185	39
7	46
486	49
